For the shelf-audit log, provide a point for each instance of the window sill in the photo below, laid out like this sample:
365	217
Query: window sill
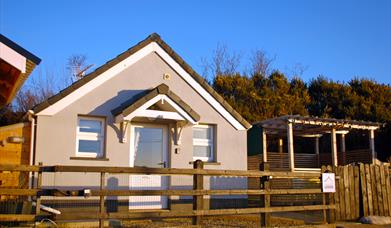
89	158
207	163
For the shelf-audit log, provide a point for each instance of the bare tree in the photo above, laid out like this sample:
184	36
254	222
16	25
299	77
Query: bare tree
43	84
38	88
298	70
261	63
223	62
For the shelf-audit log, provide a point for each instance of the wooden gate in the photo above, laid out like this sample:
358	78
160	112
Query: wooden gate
362	190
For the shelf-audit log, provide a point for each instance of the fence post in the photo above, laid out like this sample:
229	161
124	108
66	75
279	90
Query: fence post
39	186
265	184
331	197
198	184
101	200
324	212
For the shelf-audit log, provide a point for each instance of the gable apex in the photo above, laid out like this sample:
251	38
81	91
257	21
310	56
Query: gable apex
153	43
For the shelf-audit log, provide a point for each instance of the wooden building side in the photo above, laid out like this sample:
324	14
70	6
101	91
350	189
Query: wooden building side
15	150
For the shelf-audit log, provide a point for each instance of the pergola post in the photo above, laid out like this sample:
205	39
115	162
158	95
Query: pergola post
317	149
334	147
280	145
264	146
372	144
290	147
343	149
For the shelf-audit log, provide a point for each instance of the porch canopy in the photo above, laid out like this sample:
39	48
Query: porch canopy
157	104
306	126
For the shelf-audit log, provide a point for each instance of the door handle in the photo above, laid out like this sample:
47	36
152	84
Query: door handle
163	163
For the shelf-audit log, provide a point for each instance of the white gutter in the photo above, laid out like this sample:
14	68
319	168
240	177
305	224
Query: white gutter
32	144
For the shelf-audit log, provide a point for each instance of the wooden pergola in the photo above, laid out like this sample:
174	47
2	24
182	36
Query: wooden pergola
305	126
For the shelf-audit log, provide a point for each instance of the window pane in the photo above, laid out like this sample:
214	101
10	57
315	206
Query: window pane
201	151
147	135
94	126
202	133
90	146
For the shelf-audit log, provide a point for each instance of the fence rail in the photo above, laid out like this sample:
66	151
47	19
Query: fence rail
264	189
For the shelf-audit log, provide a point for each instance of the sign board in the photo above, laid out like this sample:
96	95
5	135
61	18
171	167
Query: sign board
328	182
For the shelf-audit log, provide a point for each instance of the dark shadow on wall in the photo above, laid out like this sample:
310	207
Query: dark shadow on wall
112	201
123	98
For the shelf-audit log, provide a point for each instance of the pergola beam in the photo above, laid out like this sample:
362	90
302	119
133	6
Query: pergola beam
280	122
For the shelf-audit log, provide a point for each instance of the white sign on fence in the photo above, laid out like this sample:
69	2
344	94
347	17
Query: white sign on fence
328	182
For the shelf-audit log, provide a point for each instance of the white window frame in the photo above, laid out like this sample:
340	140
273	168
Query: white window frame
90	136
205	142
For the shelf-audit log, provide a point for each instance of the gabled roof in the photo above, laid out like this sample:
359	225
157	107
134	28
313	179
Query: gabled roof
136	102
150	39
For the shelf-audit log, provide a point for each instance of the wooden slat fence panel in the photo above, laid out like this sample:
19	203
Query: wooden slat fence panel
337	196
374	190
379	191
356	172
383	191
341	193
362	190
388	186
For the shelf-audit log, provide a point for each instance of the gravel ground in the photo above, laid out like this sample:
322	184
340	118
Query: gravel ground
213	222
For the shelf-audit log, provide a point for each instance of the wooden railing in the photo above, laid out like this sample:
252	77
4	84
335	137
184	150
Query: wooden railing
264	189
280	161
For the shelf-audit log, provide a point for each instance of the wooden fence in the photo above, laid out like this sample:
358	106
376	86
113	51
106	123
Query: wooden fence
362	190
265	190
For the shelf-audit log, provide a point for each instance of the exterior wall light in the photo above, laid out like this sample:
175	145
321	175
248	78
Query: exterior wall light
15	139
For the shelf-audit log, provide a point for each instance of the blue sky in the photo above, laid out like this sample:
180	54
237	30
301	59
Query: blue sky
337	39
